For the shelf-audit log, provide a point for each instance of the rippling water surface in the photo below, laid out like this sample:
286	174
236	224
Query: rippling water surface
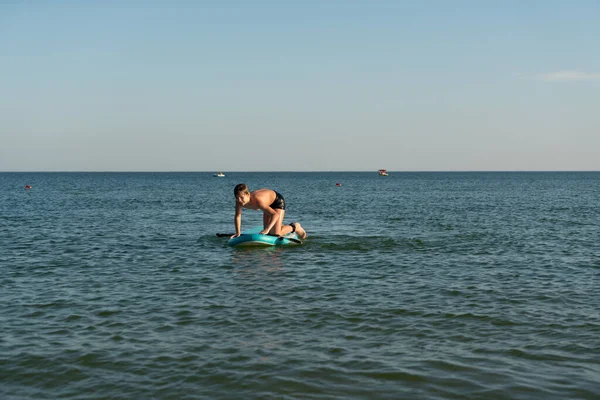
418	285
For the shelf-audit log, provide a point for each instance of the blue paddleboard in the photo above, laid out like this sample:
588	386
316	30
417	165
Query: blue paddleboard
252	237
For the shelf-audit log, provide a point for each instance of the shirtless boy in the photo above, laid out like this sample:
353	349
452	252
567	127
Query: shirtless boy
272	205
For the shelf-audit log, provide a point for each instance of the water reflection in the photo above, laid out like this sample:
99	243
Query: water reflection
263	259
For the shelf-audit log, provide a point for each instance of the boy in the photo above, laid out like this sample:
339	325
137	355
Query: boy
272	205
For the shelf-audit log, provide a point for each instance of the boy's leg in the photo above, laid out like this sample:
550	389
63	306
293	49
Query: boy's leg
278	228
300	230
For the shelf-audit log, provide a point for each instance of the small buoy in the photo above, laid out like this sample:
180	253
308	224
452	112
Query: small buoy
27	187
338	184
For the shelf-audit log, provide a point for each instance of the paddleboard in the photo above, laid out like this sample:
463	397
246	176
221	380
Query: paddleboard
253	238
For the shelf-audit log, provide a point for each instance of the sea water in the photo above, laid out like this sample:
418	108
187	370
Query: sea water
416	285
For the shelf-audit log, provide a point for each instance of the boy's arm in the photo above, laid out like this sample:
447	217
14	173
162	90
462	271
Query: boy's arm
237	220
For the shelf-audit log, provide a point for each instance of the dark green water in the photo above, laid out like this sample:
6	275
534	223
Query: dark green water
419	285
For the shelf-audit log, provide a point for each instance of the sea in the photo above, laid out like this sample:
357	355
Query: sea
419	285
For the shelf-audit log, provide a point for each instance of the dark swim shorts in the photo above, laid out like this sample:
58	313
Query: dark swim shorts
279	202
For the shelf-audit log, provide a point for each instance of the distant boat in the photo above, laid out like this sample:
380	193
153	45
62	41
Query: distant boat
383	172
219	175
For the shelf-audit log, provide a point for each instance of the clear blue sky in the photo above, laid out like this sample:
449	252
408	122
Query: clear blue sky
299	85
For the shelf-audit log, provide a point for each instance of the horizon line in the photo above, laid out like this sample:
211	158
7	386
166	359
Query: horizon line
286	171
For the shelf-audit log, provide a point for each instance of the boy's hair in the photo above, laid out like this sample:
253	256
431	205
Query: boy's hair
240	188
